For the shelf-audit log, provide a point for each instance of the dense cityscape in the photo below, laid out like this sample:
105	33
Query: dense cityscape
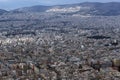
59	44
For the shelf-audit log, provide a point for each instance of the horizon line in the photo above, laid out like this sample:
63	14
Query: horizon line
58	4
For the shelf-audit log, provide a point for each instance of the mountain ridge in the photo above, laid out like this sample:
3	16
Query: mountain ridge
86	8
2	11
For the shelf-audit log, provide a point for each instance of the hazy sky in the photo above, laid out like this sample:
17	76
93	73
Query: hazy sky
12	4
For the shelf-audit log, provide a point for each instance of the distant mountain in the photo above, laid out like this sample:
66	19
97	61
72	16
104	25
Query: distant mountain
105	9
37	8
87	8
2	11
